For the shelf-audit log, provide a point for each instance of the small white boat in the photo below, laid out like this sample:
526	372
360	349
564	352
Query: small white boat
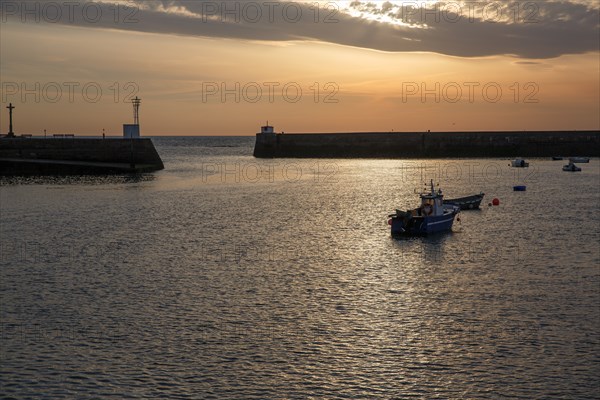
571	167
519	163
580	160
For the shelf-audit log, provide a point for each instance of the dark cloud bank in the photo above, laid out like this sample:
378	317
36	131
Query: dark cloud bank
557	28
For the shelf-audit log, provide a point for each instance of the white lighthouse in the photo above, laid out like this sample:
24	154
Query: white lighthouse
267	129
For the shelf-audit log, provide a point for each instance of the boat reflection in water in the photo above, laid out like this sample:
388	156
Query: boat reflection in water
433	216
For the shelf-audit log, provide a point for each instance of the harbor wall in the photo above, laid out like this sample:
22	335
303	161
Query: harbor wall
39	156
428	144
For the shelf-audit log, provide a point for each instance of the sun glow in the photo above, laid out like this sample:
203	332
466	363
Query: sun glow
393	12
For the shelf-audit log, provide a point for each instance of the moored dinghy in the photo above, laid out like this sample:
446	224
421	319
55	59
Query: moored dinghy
468	202
431	217
570	167
519	163
580	160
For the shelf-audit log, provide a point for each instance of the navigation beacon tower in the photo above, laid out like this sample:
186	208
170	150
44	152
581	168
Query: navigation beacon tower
10	134
132	131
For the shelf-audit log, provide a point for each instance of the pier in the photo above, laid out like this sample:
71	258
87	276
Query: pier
66	154
411	145
77	156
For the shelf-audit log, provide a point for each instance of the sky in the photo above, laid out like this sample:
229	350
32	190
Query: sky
227	67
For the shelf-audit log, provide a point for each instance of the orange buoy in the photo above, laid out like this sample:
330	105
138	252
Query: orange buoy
496	202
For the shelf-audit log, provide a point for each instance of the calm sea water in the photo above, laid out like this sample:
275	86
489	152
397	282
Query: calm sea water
230	277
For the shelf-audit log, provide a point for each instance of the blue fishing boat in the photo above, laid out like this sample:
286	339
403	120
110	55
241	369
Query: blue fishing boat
432	216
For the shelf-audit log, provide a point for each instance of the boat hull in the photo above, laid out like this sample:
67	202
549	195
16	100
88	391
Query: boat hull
579	160
422	226
466	203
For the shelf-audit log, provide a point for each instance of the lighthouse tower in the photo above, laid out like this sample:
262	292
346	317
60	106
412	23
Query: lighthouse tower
132	131
267	129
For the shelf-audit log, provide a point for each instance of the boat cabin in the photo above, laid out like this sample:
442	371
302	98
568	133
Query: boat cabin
432	204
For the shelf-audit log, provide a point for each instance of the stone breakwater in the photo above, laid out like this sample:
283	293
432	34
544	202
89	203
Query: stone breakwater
428	144
78	156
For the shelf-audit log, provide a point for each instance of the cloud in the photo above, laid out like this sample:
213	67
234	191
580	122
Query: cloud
528	63
550	29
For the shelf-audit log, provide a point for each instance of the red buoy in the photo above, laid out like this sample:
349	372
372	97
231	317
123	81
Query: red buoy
496	202
389	221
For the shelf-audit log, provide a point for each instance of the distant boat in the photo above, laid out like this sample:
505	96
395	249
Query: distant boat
580	160
468	202
557	158
432	216
570	167
520	188
519	163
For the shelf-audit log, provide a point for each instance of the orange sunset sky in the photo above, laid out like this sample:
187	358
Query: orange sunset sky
360	66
